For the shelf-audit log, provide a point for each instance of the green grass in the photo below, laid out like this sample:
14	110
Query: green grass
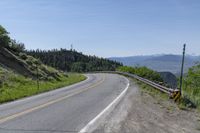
35	66
15	86
191	87
190	98
183	104
151	91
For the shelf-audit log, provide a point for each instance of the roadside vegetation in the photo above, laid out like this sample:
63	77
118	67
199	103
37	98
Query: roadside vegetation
14	86
147	73
191	84
19	72
151	91
143	72
13	56
191	87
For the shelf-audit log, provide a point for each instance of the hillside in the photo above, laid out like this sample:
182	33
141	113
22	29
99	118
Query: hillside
22	75
26	65
73	61
13	58
161	63
169	79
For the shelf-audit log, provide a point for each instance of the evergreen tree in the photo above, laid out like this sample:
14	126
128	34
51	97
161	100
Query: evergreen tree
71	60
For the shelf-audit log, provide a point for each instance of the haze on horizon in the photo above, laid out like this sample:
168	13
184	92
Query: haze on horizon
105	28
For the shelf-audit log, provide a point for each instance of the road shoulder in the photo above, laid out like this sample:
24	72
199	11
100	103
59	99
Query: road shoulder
140	112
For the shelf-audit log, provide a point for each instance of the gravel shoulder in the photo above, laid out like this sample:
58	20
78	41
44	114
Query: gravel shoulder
140	112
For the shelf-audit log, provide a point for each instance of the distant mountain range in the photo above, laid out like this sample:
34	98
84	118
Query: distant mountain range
160	63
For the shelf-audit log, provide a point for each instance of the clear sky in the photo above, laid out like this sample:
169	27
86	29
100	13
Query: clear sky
105	27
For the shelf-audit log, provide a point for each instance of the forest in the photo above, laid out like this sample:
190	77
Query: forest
73	61
22	75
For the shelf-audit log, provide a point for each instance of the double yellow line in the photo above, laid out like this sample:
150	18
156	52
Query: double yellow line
13	116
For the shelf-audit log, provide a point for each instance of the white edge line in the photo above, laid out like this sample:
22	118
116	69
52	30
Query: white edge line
92	122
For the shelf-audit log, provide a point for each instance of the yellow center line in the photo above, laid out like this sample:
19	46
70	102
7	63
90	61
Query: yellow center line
7	118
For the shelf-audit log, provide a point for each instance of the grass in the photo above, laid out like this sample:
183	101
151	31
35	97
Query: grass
183	104
14	86
186	103
191	97
151	91
35	66
191	87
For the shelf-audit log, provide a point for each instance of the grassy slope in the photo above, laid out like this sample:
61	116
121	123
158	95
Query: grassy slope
151	91
14	86
160	96
191	97
191	87
191	93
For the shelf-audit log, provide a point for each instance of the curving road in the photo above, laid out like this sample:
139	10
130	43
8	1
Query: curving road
68	109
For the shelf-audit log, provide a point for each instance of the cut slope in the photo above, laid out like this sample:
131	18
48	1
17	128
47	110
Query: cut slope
26	65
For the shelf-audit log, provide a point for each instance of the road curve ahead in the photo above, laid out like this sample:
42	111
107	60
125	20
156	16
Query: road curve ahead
68	109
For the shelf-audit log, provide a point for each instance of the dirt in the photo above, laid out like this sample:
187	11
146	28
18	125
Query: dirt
140	112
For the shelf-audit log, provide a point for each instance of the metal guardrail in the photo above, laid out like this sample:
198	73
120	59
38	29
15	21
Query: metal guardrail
172	92
146	81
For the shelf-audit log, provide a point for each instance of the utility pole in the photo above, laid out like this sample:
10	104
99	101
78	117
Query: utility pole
71	47
182	67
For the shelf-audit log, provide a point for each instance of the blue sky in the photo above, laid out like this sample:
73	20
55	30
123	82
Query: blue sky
105	27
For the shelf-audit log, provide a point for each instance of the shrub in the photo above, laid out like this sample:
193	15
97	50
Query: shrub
142	72
4	38
23	56
16	47
1	83
191	85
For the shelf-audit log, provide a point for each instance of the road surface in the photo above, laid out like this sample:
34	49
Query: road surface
68	109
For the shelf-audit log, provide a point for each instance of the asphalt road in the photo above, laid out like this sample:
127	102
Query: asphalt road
68	109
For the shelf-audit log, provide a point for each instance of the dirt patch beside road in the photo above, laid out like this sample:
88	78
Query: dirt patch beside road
140	112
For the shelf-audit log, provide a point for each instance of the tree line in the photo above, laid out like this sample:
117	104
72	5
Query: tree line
62	59
73	61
